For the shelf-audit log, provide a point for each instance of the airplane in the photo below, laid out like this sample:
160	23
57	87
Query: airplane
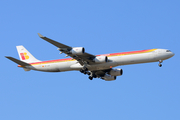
95	66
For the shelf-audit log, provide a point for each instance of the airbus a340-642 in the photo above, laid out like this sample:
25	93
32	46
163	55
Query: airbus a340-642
95	66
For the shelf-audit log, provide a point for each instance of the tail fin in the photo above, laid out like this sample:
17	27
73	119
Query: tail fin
25	55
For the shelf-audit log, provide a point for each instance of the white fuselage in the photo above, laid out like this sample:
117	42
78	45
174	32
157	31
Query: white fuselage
126	58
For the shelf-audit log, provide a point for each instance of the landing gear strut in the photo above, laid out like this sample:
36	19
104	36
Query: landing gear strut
85	71
160	65
91	74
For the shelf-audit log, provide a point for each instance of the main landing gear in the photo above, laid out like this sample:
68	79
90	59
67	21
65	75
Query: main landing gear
92	75
85	71
160	65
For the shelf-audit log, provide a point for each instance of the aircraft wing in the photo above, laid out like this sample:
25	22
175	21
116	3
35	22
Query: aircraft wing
57	44
85	58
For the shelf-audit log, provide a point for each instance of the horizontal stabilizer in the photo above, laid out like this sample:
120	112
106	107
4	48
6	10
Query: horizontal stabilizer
17	61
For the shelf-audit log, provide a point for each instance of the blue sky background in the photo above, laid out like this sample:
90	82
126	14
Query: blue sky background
144	92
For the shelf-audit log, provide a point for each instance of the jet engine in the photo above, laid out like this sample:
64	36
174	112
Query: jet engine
77	51
115	72
100	59
109	77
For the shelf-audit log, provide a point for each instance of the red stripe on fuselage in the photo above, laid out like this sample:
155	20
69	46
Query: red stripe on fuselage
126	53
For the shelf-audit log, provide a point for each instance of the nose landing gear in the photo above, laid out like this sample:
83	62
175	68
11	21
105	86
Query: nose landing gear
160	65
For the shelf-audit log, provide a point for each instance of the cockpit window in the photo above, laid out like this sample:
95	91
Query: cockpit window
168	51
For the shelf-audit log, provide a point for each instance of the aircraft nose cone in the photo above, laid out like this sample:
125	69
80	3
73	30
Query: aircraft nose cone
172	54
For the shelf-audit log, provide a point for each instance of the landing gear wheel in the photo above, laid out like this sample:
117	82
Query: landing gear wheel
90	77
82	71
160	65
160	61
94	76
88	73
85	72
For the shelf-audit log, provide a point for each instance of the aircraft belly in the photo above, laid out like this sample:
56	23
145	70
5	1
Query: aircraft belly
52	67
45	68
76	66
102	66
63	66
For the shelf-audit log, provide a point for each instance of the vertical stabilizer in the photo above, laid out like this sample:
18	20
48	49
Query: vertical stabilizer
25	55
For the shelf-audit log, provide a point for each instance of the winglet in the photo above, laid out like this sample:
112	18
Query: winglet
41	36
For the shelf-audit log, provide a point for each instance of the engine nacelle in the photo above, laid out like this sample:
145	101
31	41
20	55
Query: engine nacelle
116	72
109	77
100	59
77	51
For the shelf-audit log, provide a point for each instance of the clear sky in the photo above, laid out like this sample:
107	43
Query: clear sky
143	92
